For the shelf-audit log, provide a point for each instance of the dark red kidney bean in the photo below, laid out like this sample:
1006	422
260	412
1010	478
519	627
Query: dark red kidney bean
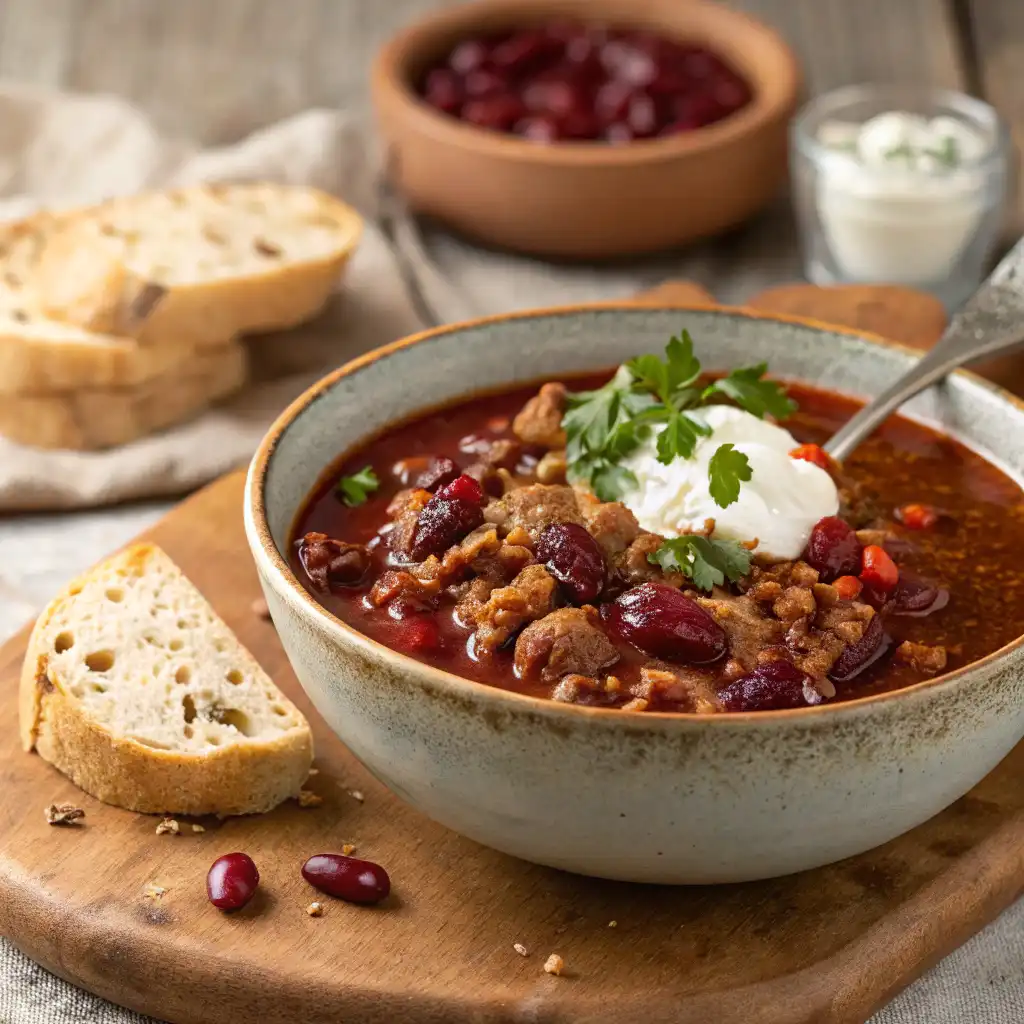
833	549
774	686
658	619
419	633
231	881
859	656
917	597
439	471
348	878
575	559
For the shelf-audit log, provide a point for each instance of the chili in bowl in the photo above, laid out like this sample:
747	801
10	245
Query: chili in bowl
637	624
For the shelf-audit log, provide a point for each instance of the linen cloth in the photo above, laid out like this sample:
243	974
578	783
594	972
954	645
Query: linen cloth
62	150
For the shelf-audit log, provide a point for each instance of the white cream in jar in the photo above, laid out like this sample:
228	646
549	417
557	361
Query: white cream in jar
900	197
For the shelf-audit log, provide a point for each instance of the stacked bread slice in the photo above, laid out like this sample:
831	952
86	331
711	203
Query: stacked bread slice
126	318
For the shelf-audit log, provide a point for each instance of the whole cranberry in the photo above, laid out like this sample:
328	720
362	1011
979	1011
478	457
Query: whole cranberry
231	881
443	90
497	112
833	549
521	50
348	878
611	101
771	687
483	82
553	96
860	655
454	511
659	620
468	56
539	128
575	559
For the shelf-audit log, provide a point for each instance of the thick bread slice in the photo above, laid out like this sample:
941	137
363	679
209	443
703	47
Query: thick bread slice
200	264
136	690
89	419
40	354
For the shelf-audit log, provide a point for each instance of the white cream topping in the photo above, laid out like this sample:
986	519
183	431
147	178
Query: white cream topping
777	506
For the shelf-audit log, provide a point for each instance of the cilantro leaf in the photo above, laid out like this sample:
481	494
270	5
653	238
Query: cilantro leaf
747	389
708	563
610	482
679	437
727	469
683	365
355	489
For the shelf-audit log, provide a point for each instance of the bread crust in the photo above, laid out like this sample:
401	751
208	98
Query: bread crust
238	778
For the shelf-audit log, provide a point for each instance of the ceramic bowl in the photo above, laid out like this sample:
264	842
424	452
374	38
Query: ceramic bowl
652	798
589	200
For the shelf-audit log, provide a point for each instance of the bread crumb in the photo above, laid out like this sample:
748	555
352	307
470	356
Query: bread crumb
613	924
520	949
63	814
348	849
168	827
554	964
153	892
356	794
307	798
260	608
198	828
315	910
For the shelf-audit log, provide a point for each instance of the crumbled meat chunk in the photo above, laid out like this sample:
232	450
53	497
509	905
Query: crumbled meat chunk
551	468
813	651
803	575
748	629
610	523
540	420
921	657
688	689
572	687
404	510
569	640
767	591
329	562
633	565
395	584
825	595
794	603
529	596
878	537
785	574
534	507
460	558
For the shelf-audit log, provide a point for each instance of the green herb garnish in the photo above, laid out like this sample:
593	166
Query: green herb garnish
707	562
947	153
355	489
606	425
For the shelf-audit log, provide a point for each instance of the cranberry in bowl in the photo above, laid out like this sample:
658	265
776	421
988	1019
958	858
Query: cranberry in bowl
517	121
611	684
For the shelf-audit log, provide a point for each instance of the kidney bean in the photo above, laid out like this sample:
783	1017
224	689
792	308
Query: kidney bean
860	655
773	686
231	881
833	549
658	619
917	597
575	559
348	878
438	472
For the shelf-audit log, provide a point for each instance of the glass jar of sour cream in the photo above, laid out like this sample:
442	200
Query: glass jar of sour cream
899	185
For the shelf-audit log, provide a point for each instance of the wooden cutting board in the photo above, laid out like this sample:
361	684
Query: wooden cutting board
830	945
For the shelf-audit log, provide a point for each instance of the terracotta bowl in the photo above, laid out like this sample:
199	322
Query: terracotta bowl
641	797
585	199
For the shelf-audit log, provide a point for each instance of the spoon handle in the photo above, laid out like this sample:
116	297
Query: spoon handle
991	321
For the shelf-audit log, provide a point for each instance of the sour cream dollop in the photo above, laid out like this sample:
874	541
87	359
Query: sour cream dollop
778	506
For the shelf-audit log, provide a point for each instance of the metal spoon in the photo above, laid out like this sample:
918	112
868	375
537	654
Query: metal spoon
991	322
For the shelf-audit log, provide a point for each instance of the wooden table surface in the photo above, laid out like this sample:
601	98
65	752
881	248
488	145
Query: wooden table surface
215	69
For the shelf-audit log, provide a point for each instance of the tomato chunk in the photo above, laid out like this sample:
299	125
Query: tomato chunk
812	453
917	517
849	587
879	570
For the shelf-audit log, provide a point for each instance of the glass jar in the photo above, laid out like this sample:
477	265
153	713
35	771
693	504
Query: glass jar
914	197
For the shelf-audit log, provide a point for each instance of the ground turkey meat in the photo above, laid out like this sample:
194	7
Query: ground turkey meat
569	640
529	596
921	657
534	507
687	688
749	630
396	584
610	523
634	566
540	420
404	510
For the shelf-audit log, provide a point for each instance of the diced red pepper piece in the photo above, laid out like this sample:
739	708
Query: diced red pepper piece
879	570
917	517
419	634
849	587
812	453
463	488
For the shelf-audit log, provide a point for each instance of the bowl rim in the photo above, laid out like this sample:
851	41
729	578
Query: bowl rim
772	100
263	547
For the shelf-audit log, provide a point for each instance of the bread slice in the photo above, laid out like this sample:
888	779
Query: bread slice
136	690
197	265
93	418
41	355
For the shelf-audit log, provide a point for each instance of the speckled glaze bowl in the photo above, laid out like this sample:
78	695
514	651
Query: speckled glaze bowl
654	798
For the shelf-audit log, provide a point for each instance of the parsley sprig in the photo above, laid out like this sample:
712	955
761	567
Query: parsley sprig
355	489
707	562
606	425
